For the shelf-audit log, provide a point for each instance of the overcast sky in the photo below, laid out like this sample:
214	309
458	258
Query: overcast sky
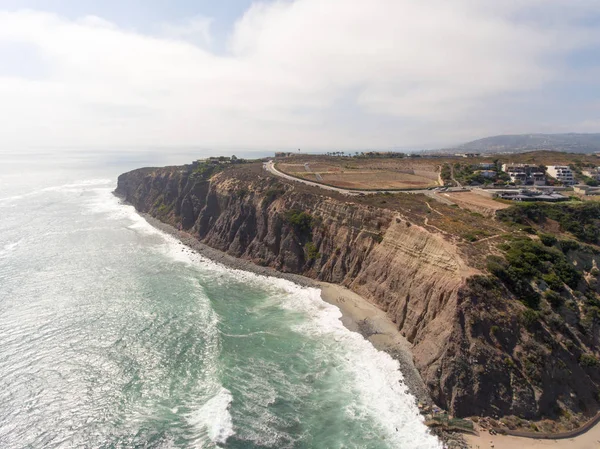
311	74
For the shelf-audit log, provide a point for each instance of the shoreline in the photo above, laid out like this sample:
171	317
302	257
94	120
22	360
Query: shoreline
358	314
361	316
590	439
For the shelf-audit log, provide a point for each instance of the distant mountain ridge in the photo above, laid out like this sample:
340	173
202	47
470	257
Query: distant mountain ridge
572	142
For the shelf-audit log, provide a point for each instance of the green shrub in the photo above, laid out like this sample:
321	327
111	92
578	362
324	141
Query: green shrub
588	360
377	237
509	362
205	171
470	237
553	281
484	284
311	251
547	239
446	173
582	220
163	209
301	221
530	317
496	265
568	245
554	298
241	193
271	195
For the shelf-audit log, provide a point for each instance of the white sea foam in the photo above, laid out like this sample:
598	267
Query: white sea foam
74	187
8	248
213	418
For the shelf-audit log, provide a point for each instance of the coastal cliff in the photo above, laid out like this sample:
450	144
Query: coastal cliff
470	343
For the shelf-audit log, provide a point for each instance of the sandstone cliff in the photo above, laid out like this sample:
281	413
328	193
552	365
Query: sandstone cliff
469	342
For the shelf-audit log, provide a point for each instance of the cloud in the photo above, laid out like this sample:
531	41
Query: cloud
308	73
195	30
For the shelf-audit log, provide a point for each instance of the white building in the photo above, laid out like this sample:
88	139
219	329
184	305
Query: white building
467	154
561	173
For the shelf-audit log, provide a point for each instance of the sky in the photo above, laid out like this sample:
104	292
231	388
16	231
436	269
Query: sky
310	74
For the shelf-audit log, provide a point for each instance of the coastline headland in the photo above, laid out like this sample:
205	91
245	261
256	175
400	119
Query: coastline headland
408	273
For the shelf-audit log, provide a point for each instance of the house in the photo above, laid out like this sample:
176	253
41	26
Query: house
487	173
561	173
525	174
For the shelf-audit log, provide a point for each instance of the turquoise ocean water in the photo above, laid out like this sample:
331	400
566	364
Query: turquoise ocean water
113	335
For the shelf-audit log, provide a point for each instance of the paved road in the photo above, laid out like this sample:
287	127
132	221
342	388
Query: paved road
270	166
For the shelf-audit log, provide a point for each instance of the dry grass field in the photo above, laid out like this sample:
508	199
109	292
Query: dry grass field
476	203
364	173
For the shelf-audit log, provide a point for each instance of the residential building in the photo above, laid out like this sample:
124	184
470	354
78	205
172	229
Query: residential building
487	173
539	179
561	173
525	174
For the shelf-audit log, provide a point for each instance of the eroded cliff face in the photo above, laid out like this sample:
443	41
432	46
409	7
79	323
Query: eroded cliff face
419	277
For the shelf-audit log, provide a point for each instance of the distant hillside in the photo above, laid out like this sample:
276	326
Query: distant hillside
580	143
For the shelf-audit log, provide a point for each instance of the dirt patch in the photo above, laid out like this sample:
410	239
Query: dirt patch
476	203
364	174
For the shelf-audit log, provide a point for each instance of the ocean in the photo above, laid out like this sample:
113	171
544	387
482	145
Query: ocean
114	335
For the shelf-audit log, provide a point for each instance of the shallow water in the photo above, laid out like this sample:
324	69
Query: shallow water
114	335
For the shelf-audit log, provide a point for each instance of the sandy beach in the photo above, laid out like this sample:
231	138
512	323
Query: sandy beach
589	440
372	323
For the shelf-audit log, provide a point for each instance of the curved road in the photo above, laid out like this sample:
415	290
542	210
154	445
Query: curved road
270	167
